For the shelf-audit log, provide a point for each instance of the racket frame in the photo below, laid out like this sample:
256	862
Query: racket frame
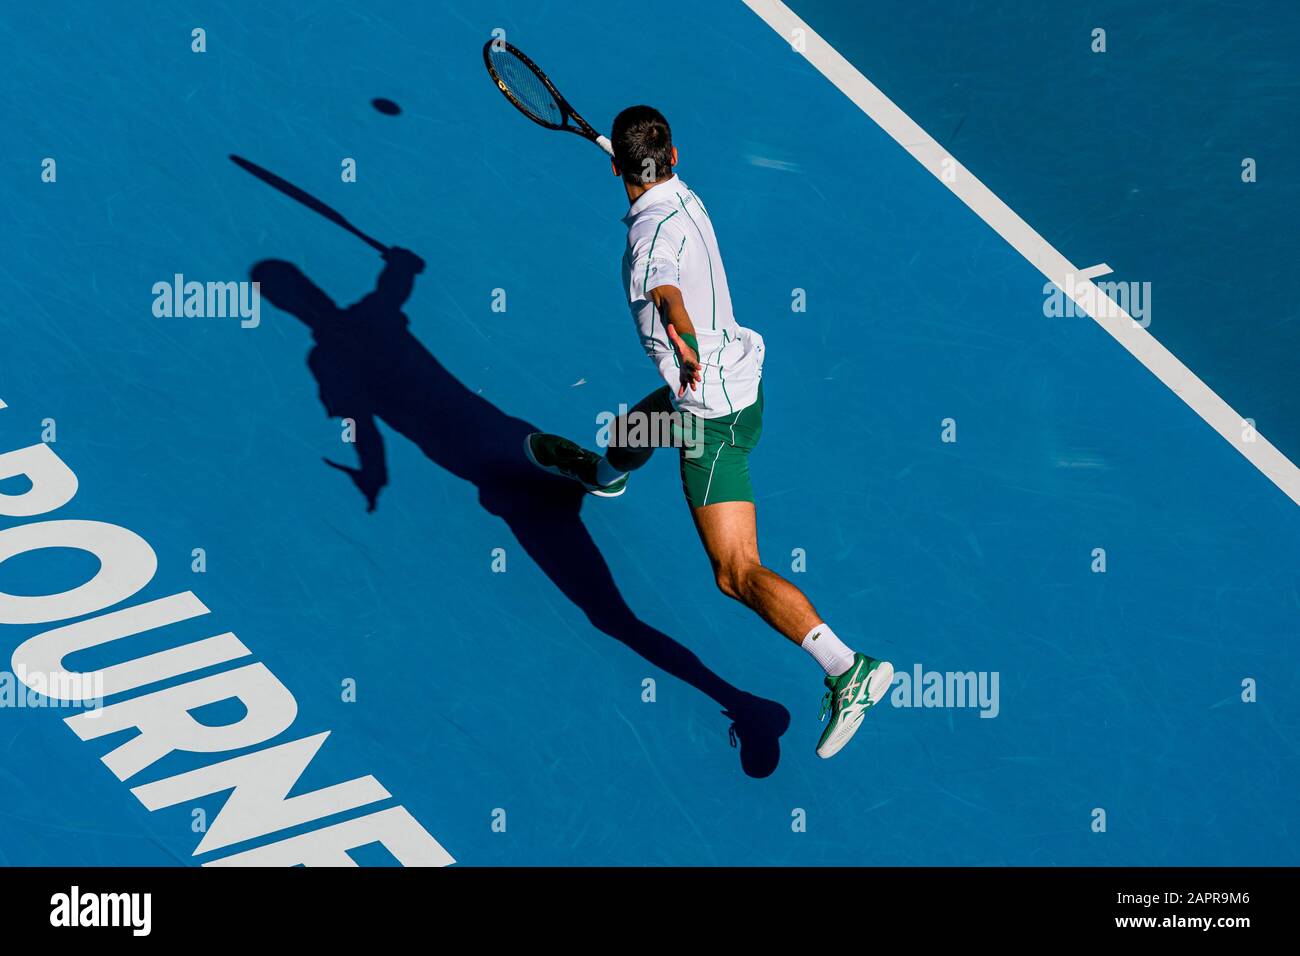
567	112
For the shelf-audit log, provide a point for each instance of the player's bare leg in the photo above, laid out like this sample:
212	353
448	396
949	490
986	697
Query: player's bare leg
729	532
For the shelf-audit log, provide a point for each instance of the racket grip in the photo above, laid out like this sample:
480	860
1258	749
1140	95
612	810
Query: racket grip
604	143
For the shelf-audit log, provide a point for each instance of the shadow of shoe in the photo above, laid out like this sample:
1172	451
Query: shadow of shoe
757	725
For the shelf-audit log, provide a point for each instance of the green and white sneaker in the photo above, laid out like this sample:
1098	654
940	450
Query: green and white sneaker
848	699
568	459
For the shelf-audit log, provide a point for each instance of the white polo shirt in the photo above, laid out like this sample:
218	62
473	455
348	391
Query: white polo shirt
670	241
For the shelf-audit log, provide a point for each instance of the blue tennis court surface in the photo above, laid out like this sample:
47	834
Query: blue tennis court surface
481	641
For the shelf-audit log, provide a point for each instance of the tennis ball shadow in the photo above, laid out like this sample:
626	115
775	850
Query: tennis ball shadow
385	106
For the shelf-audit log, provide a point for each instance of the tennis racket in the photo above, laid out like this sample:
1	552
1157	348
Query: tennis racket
533	94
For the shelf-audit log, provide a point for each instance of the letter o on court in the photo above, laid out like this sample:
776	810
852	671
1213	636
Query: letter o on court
52	482
126	564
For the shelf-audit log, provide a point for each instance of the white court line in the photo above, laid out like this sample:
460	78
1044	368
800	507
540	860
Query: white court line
997	214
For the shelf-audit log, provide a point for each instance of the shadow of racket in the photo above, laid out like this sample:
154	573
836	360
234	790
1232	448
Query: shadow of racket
308	200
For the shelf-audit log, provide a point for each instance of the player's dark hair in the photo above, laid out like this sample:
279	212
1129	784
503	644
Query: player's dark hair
643	145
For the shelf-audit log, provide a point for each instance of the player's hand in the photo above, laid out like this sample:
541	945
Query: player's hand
690	362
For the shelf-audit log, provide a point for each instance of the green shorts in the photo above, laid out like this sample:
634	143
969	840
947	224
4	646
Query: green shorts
720	472
714	451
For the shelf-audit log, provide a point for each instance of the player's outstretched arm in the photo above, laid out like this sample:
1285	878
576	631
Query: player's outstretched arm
681	332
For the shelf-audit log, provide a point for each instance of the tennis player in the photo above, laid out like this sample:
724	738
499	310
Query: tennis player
713	396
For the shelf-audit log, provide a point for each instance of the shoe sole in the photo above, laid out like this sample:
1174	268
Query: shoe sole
590	489
882	676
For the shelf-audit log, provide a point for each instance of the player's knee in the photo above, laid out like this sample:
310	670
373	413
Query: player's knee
726	582
733	578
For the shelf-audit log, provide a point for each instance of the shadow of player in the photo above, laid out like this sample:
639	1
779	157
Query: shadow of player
371	368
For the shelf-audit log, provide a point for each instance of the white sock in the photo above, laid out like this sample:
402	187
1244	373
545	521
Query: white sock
828	650
607	474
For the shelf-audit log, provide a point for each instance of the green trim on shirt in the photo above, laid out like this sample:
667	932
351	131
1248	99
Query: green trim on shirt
651	254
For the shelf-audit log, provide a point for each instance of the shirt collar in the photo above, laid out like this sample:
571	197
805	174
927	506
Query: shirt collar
654	194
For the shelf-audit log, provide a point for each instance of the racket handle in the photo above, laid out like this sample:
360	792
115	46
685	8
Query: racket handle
604	143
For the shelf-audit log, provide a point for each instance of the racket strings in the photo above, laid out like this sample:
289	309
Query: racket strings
526	87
